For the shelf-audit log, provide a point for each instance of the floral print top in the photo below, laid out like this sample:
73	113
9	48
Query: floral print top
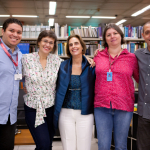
40	84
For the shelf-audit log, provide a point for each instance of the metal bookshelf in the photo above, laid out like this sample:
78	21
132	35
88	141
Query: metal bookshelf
85	39
32	41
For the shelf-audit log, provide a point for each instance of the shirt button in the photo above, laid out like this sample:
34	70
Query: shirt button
146	84
145	103
148	74
146	94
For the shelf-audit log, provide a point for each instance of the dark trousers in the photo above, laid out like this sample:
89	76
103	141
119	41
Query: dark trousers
143	134
44	133
7	135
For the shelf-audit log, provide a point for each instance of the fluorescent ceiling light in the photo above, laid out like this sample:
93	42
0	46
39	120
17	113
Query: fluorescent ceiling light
4	15
104	17
51	21
77	16
1	26
121	21
27	16
52	8
141	11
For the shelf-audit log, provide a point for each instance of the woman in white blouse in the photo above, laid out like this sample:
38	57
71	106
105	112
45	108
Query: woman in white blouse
40	71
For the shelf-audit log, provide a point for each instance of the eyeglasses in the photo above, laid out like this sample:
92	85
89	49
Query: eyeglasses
46	42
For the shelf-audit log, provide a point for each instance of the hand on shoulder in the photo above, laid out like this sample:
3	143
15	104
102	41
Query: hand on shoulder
91	61
97	50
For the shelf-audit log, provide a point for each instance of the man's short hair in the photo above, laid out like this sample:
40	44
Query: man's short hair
10	21
145	25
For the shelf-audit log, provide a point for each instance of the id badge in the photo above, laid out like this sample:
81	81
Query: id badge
109	76
18	76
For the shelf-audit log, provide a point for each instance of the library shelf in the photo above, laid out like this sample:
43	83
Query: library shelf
85	39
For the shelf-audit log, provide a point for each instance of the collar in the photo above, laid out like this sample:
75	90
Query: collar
9	50
146	51
38	57
125	51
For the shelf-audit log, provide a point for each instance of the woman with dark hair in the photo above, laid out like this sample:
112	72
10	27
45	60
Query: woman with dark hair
40	71
74	104
114	90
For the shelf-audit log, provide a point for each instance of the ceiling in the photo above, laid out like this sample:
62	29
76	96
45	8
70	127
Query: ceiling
122	8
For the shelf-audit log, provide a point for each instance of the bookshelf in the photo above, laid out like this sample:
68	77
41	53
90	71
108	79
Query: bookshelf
92	45
133	36
85	39
89	41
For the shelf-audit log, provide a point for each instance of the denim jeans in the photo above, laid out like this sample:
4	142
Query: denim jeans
108	120
43	134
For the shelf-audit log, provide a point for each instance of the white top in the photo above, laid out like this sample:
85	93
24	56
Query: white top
40	84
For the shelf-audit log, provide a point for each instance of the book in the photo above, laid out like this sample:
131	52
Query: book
62	32
102	25
69	30
129	30
132	47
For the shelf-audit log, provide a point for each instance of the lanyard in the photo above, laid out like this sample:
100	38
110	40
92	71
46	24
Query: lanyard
110	63
7	53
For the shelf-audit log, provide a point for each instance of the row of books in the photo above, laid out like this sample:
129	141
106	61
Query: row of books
33	31
133	46
62	49
96	32
27	48
90	48
33	48
132	32
24	47
84	31
60	31
93	45
65	31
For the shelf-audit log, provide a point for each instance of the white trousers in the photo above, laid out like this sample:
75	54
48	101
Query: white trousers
75	129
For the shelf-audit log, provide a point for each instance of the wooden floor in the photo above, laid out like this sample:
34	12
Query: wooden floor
24	138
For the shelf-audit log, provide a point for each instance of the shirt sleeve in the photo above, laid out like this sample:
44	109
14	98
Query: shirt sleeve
24	65
59	60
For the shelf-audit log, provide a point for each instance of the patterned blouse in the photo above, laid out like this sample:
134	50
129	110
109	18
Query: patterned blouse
40	84
119	91
73	95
